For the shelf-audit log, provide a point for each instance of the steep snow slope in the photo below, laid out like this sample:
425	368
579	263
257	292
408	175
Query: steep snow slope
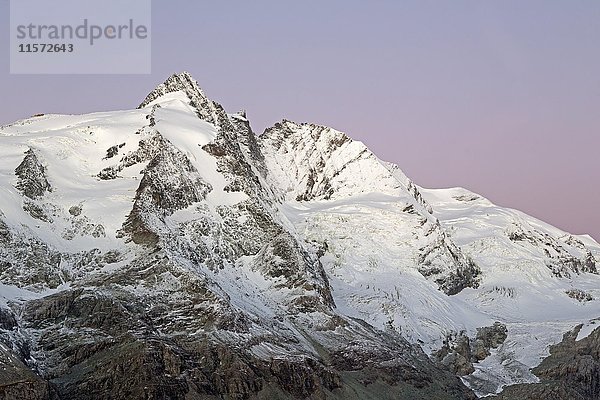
172	243
540	281
373	226
315	163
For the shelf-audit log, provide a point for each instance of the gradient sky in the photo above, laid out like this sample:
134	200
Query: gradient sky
500	97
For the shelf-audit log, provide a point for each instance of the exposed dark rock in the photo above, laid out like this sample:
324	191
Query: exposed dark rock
27	262
488	337
36	211
50	308
7	319
113	151
283	258
409	209
414	190
32	180
75	211
108	346
17	382
148	148
248	142
558	258
572	371
435	259
579	295
459	352
455	355
108	173
467	198
170	183
387	362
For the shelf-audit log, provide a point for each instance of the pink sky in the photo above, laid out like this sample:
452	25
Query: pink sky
502	98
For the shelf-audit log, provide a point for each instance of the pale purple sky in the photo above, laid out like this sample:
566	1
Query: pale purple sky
500	97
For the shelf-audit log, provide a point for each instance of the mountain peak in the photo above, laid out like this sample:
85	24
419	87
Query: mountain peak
305	132
312	161
177	246
182	81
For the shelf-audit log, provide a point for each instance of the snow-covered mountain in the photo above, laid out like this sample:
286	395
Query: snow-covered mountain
168	252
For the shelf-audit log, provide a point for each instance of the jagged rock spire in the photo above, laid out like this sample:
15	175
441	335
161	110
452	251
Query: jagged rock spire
32	176
183	82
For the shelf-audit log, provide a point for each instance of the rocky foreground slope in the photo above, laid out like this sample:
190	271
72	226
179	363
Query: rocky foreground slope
168	252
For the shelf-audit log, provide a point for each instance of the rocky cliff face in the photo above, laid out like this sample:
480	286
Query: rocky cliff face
168	252
312	162
572	371
459	352
32	176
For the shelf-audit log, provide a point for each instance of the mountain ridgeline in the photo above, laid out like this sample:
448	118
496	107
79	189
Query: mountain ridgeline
169	252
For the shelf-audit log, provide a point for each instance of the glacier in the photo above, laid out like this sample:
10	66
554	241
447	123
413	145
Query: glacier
170	252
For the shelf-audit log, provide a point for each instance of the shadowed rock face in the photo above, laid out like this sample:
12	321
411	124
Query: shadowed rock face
7	319
26	261
460	352
32	176
488	337
284	259
572	371
559	260
109	343
170	183
17	381
435	258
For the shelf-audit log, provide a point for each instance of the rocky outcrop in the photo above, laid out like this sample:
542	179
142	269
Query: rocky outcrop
28	262
572	371
559	258
114	341
113	150
17	382
8	320
149	146
459	352
293	267
32	181
488	337
456	355
579	295
207	109
170	183
444	262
